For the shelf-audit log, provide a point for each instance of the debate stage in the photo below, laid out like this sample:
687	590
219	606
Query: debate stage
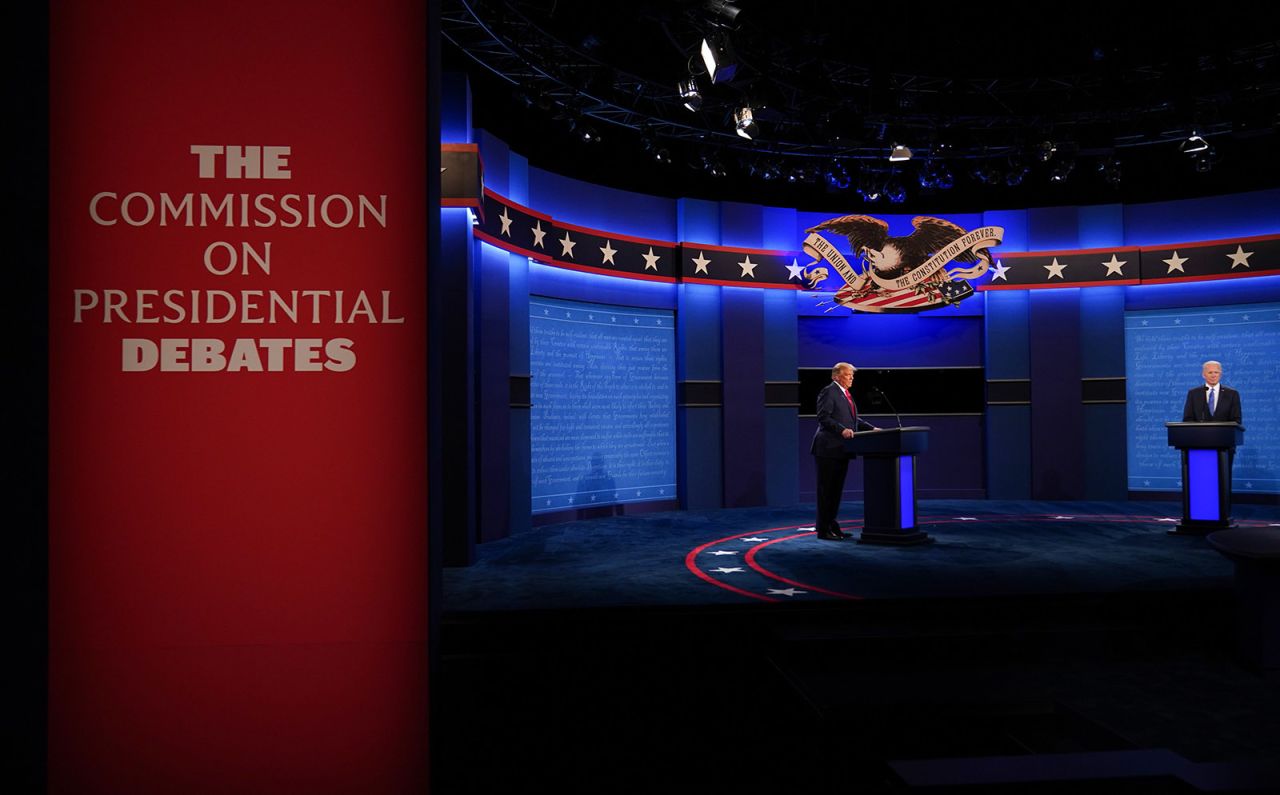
1033	647
770	555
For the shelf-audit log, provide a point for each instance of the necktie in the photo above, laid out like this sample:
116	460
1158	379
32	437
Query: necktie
1212	401
849	398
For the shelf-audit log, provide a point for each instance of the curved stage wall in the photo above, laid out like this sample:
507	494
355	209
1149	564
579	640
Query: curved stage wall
1053	425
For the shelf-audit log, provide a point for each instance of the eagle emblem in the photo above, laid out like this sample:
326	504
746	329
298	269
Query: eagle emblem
907	273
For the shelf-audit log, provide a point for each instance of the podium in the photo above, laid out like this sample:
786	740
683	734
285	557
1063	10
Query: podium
1207	451
889	484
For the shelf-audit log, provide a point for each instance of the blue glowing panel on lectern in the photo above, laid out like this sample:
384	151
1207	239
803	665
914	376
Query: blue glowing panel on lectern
1203	497
603	422
1164	350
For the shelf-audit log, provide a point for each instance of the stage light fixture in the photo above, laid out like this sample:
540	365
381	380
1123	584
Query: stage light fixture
899	154
1204	163
690	94
744	123
944	179
661	155
1045	150
1193	144
588	134
727	11
895	192
1061	171
717	58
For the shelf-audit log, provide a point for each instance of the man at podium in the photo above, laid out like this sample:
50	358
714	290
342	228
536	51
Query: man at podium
1213	402
837	420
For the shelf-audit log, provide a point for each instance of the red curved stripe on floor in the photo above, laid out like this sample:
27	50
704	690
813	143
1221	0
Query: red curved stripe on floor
691	564
751	561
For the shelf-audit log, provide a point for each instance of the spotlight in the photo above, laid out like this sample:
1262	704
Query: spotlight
943	178
1111	172
725	10
1061	171
1045	150
690	96
661	155
744	123
895	192
716	57
1194	144
1204	163
588	135
869	192
899	154
714	167
1017	173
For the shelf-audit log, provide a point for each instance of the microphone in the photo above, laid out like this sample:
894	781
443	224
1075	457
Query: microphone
889	403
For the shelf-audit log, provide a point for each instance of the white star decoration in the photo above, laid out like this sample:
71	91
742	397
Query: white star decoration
784	591
1241	257
748	267
755	539
1166	520
1064	517
566	246
700	263
651	259
506	222
724	552
608	251
1175	263
726	569
1055	269
967	518
1114	266
1001	270
795	270
538	234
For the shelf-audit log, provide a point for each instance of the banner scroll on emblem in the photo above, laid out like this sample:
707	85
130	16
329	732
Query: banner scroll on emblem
901	274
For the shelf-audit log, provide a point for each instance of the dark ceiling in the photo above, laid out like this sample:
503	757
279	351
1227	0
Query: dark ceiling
974	92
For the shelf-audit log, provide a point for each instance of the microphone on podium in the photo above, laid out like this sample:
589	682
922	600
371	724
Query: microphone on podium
888	403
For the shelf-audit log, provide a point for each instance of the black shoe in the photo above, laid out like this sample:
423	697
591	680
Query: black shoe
827	535
843	534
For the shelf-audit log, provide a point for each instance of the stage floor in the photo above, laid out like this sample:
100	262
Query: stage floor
760	555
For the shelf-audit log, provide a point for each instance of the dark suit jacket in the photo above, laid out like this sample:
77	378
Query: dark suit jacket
834	416
1196	409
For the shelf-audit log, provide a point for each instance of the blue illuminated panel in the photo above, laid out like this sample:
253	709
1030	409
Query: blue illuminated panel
1202	491
603	421
907	491
1163	353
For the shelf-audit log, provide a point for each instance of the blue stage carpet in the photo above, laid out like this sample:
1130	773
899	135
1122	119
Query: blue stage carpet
757	555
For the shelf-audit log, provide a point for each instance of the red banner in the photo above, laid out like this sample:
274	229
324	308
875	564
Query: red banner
237	539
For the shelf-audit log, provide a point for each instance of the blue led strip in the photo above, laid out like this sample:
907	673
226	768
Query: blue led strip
1202	488
907	491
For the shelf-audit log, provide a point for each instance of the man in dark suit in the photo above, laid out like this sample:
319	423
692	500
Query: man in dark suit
1212	402
837	420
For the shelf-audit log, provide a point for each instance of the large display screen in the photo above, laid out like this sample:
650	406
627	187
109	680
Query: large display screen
603	421
1164	350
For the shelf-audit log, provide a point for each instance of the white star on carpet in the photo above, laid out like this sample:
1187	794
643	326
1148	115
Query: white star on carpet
808	529
784	591
1175	263
726	569
1064	517
566	246
608	251
1001	270
1055	269
651	259
700	263
1241	257
967	518
755	539
1114	266
1166	520
506	222
795	270
538	234
748	267
723	552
